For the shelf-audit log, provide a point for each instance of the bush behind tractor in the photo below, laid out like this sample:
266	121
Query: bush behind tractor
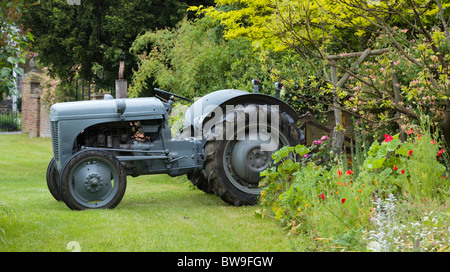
225	141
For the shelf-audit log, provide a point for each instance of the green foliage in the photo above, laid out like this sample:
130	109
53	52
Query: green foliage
194	59
418	90
413	31
178	59
75	39
191	59
331	201
407	226
319	25
13	44
408	168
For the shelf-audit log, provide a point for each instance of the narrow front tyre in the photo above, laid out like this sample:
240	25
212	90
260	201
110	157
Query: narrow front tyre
52	180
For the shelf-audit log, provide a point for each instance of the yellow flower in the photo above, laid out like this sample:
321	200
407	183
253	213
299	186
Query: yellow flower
306	205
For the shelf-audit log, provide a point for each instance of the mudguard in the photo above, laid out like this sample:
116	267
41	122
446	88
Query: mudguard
201	109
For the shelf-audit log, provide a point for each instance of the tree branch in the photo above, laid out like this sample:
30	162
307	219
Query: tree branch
444	22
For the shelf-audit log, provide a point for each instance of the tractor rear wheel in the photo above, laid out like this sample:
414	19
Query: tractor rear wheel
199	180
232	166
92	179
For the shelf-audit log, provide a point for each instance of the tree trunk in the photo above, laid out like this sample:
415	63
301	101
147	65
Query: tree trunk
446	125
338	132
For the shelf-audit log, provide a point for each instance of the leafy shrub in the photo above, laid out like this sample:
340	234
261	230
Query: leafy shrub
335	202
390	229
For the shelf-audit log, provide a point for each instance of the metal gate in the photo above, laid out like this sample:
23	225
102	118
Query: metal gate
10	121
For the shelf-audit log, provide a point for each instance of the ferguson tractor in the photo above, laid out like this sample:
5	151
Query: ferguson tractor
226	140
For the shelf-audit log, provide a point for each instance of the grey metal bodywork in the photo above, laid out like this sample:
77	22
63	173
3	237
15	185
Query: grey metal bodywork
97	144
174	156
69	119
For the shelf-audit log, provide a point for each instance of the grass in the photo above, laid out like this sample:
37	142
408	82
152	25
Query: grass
157	213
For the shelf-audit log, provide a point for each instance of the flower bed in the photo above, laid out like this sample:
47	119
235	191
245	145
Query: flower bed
343	206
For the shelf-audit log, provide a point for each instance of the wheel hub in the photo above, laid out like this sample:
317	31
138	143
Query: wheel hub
93	183
248	160
257	159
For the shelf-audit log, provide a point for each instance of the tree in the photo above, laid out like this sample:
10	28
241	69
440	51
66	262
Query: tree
13	44
414	31
193	59
190	59
90	39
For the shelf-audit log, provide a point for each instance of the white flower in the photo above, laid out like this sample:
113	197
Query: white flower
374	246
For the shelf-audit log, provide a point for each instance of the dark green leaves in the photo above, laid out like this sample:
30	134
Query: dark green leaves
13	43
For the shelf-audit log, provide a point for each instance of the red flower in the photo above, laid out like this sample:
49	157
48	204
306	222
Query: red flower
349	172
410	152
410	131
395	168
403	171
388	138
343	200
433	142
339	172
322	196
440	152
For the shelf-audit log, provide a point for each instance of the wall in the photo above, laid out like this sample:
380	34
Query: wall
35	118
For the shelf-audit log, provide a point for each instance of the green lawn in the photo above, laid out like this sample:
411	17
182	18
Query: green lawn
157	213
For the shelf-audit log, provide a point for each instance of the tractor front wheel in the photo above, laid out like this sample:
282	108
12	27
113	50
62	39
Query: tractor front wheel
92	179
52	180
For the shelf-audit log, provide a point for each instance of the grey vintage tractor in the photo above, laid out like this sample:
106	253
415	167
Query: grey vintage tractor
226	139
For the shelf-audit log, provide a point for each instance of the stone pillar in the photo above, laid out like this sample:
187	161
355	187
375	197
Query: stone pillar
31	105
44	125
34	110
31	101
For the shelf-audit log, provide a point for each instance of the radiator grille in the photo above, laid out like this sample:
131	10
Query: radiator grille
54	128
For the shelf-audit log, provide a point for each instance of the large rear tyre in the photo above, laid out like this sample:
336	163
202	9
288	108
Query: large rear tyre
92	179
199	180
232	166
